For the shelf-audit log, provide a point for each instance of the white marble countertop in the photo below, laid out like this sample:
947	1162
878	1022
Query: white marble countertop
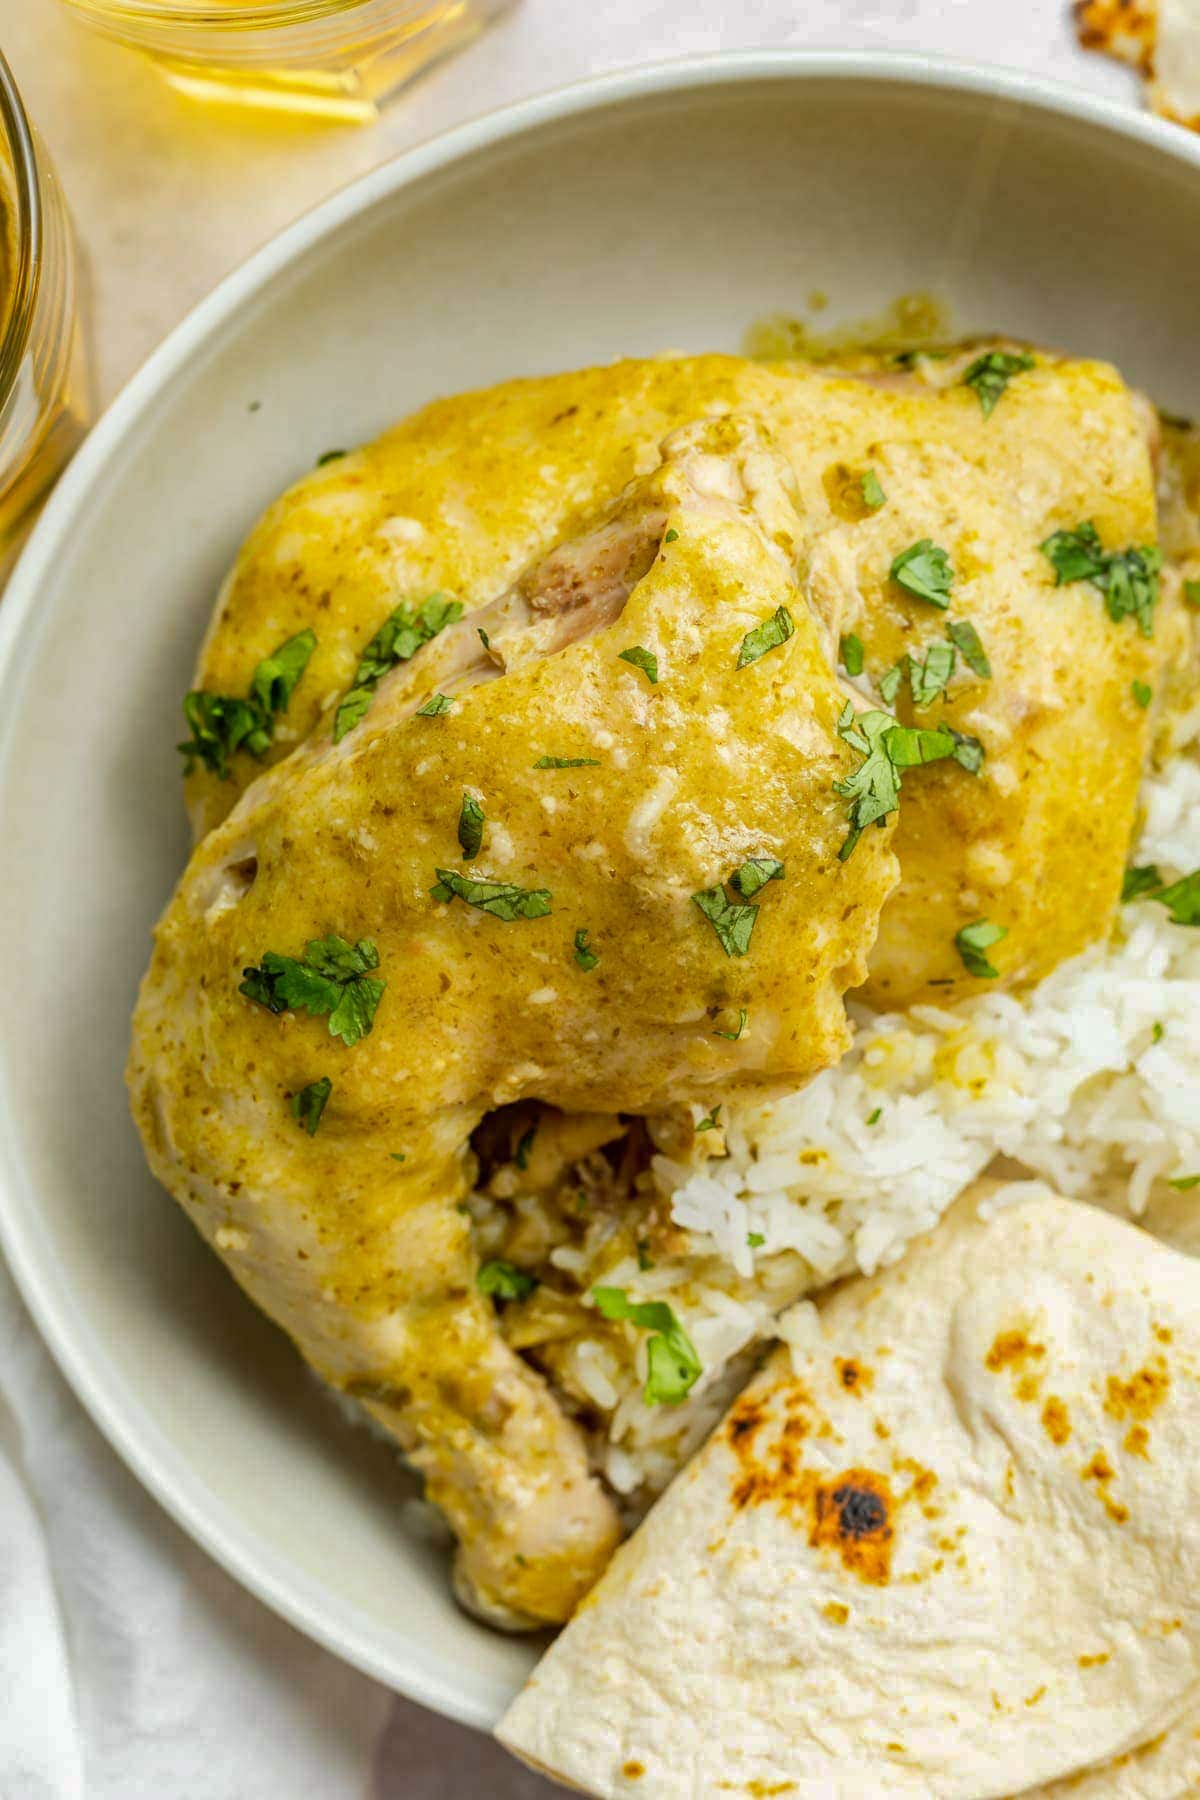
165	1681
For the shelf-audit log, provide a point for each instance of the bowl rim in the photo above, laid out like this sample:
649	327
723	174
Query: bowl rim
136	1440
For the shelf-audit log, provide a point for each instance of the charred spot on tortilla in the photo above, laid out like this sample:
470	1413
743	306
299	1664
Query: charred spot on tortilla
852	1514
1012	1350
744	1420
1056	1420
854	1375
1137	1396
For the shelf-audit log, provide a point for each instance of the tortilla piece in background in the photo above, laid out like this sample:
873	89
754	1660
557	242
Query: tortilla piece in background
1160	38
948	1546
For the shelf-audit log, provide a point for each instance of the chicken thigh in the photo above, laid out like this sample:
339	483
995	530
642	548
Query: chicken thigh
579	845
984	463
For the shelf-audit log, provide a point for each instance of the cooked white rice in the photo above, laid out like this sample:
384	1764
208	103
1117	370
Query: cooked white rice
1090	1081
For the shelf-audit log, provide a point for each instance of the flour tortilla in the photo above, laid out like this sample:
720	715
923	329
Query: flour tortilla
1175	90
949	1548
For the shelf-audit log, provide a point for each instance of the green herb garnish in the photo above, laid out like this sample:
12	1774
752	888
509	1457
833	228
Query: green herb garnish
484	639
671	536
1128	579
733	1036
524	1146
850	652
989	375
754	874
887	749
768	636
504	1281
1182	899
566	762
732	921
308	1105
873	495
470	826
1137	882
965	638
755	1240
889	683
710	1120
586	958
398	639
643	1254
972	943
642	659
502	899
673	1367
924	570
1191	593
329	456
221	725
333	977
434	707
1184	1182
1142	692
875	1116
929	678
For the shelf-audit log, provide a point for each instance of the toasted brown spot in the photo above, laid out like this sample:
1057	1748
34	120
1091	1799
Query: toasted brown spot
633	1771
1028	1388
1164	1334
1094	1662
1099	1469
852	1514
1012	1350
1055	1420
744	1420
1126	29
853	1375
1036	1695
762	1790
1138	1396
1137	1442
835	1612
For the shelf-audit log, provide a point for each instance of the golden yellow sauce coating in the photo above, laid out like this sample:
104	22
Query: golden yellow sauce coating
466	492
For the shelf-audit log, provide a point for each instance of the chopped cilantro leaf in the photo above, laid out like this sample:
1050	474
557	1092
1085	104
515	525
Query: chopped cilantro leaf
965	638
671	536
308	1105
524	1146
872	493
929	677
673	1367
850	651
1182	899
643	1254
330	456
333	978
484	639
502	899
1184	1182
755	873
887	749
924	570
972	943
398	1155
504	1281
585	957
1158	1032
1142	692
642	659
470	826
1191	593
732	921
875	1116
711	1120
889	684
398	639
221	725
989	375
434	707
276	676
566	762
1128	579
768	636
1137	882
733	1036
755	1240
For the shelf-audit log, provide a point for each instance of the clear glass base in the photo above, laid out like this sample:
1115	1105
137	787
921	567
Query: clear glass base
311	72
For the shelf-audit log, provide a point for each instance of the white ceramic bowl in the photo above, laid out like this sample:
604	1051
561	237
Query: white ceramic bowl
665	207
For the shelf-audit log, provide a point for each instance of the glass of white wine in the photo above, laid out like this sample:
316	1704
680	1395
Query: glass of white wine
43	376
340	58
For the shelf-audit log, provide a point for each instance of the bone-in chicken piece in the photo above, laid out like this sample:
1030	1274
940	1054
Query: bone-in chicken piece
470	490
495	872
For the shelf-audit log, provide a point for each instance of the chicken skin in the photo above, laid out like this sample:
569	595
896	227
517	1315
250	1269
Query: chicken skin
470	490
579	845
